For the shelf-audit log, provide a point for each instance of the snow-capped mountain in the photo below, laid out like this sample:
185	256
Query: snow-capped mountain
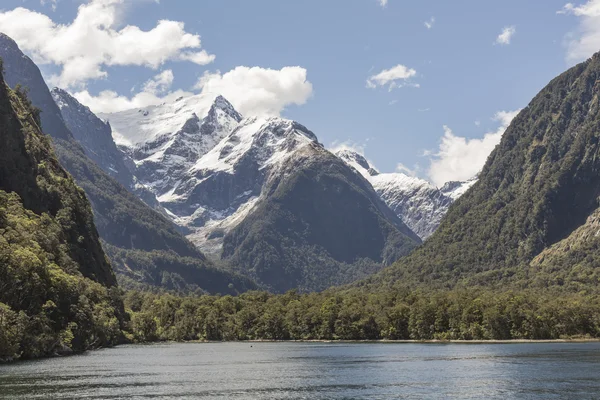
266	188
206	165
417	202
455	189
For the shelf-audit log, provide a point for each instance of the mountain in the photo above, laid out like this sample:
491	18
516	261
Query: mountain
95	136
419	204
221	176
55	280
145	247
320	225
532	216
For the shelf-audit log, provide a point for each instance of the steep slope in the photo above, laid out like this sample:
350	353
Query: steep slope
319	225
214	173
54	276
417	202
94	135
531	217
124	222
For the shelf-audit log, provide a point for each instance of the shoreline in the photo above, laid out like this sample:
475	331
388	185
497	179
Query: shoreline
381	341
406	341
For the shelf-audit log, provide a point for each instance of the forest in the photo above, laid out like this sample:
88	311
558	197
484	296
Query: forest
461	314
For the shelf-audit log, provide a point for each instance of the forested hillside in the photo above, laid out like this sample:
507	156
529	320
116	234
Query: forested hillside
57	289
531	217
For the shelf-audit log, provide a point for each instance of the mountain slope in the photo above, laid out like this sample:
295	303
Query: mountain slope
54	276
419	204
95	136
124	222
531	216
320	225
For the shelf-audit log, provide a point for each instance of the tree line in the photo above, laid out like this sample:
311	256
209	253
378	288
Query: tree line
470	314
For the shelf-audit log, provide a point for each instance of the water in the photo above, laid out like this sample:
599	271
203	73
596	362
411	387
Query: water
314	371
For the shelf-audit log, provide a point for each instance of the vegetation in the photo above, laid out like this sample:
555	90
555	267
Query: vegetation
531	219
302	236
57	289
360	315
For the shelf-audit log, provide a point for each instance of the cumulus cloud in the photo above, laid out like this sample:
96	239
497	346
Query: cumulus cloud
459	158
429	24
155	91
252	91
586	40
383	3
394	77
506	35
84	47
258	91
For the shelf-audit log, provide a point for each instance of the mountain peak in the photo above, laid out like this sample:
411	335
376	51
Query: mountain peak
8	41
357	161
221	103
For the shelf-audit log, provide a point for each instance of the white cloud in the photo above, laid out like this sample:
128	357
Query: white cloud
383	3
394	77
583	43
506	35
429	24
160	84
252	91
459	158
91	42
259	91
155	91
414	172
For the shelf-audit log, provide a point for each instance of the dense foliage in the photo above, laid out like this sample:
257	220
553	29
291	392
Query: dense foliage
302	235
538	188
57	290
360	315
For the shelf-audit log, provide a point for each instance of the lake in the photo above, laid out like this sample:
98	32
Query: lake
313	371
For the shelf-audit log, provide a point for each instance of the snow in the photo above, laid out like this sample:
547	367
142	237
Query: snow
418	203
138	126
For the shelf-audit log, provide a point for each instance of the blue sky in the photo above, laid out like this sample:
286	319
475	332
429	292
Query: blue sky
461	76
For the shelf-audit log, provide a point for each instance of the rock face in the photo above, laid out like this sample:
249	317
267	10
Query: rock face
145	247
20	70
531	218
213	171
95	136
419	204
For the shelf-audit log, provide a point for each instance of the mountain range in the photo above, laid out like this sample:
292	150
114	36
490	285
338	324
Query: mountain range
215	172
192	195
146	249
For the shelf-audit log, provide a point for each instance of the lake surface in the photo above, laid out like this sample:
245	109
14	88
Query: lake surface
314	371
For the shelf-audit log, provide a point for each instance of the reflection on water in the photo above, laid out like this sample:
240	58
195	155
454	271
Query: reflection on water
314	371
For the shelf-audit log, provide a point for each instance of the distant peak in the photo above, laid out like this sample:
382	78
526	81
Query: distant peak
61	92
221	103
353	157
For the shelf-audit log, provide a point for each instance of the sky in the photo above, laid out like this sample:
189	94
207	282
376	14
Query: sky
426	88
